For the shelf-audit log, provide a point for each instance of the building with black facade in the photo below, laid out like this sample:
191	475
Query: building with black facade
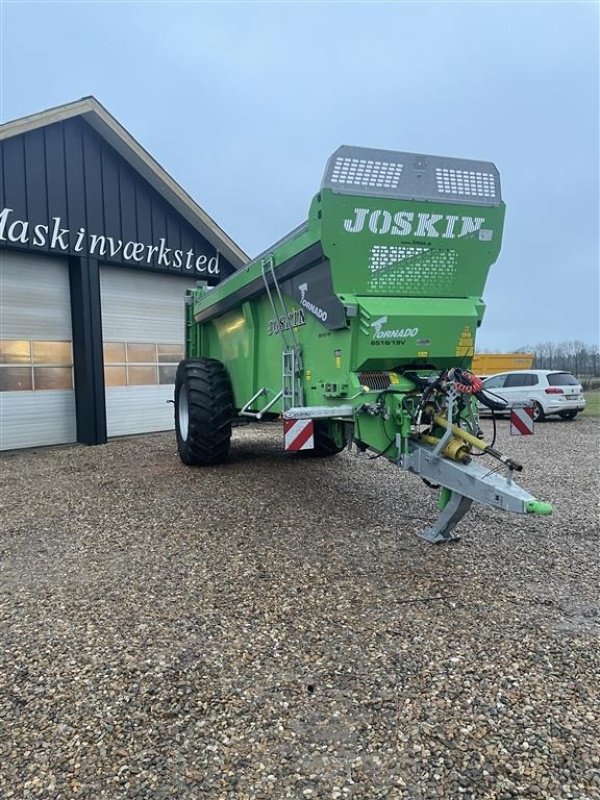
98	245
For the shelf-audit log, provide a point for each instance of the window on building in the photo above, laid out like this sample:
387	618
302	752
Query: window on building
15	379
27	365
140	363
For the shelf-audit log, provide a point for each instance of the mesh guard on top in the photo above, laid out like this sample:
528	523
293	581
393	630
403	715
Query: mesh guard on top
410	176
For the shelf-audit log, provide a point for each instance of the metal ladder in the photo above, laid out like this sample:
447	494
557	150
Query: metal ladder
291	394
290	382
291	357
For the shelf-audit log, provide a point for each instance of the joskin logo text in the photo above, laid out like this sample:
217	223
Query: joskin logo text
293	319
407	223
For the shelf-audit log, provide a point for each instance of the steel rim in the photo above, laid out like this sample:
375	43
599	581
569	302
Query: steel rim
183	414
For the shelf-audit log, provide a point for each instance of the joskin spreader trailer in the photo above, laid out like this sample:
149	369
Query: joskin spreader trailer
359	328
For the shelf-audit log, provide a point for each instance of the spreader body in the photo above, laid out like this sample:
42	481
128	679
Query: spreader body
357	320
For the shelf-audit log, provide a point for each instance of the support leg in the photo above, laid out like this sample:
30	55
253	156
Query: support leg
452	513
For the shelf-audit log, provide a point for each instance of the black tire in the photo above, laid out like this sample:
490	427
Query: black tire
538	413
202	386
325	441
567	414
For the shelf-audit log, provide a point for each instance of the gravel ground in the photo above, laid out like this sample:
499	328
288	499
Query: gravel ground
272	628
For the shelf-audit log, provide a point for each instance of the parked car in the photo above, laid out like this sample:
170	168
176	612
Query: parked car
549	391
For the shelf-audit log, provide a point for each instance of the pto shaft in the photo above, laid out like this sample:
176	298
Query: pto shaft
478	443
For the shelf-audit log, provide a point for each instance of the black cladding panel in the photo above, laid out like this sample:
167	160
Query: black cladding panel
69	192
14	176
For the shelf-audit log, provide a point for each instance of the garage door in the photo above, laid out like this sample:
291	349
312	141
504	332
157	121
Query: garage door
143	333
37	401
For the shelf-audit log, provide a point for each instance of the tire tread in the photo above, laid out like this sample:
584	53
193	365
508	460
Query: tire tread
210	410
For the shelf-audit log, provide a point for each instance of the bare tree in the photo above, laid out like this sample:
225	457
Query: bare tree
573	356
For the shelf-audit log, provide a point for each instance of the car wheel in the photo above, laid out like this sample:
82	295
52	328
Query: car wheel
567	414
538	412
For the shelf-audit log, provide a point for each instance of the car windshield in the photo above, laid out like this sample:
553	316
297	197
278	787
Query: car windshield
562	379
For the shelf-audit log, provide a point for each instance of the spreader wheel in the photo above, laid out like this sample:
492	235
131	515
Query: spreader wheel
203	411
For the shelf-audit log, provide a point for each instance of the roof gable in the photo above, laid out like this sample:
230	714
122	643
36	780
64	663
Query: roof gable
95	115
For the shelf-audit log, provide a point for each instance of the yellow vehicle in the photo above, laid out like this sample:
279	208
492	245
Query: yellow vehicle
485	364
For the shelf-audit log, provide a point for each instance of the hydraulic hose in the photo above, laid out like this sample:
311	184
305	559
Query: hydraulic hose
485	399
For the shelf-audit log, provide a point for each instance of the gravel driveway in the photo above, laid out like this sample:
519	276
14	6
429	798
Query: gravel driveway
272	628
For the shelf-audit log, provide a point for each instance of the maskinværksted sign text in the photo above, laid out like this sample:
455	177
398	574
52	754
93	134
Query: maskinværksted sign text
55	237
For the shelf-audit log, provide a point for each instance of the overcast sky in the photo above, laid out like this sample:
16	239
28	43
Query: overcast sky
243	102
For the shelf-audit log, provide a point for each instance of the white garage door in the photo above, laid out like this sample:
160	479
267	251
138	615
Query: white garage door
143	332
37	401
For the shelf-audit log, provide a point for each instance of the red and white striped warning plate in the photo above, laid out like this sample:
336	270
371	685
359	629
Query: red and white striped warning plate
299	434
521	421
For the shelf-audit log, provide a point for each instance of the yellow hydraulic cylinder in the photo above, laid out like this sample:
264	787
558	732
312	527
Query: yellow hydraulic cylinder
478	443
454	449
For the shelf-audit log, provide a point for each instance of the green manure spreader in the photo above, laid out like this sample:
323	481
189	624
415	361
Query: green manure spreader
358	330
